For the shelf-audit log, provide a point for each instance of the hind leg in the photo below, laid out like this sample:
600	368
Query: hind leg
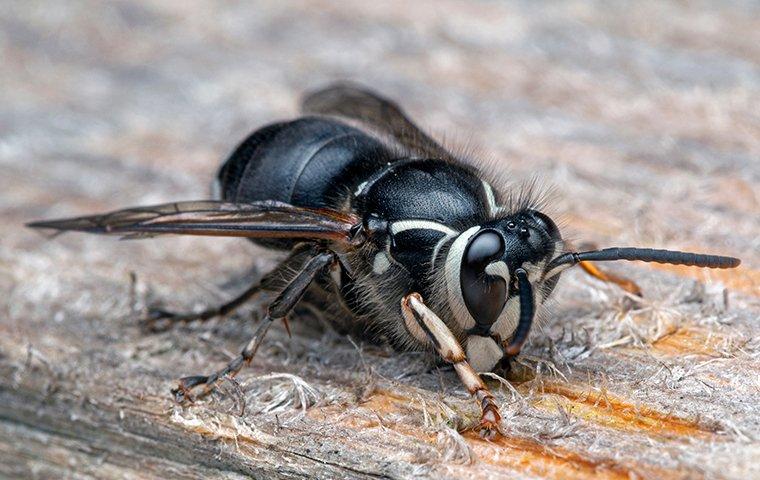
277	310
159	320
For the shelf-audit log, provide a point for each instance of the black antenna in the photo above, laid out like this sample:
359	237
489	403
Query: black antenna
527	310
644	255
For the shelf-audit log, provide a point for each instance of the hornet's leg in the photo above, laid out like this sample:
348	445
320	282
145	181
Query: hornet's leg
628	285
447	346
280	307
159	320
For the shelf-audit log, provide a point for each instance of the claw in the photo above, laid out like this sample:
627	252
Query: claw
157	320
488	430
183	393
287	326
490	420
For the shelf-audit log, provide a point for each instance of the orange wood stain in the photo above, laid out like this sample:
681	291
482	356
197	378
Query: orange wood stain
510	452
557	463
692	341
521	454
610	411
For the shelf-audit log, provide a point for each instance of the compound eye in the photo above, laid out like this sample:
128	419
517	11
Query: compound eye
548	224
484	295
483	248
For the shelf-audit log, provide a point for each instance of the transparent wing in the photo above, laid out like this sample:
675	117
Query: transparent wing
381	114
211	218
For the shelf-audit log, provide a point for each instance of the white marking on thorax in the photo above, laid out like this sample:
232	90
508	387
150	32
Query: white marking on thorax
381	264
494	210
360	188
453	286
404	225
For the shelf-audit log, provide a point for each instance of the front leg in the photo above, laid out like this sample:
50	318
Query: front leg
592	269
626	284
447	346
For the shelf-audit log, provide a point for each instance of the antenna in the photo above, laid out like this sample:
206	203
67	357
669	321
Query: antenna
672	257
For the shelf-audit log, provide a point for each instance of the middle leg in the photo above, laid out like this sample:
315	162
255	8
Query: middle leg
277	310
159	320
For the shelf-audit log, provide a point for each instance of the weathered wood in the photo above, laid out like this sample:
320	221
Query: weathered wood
644	118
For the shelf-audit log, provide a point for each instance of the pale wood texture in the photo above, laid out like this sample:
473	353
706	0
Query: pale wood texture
643	115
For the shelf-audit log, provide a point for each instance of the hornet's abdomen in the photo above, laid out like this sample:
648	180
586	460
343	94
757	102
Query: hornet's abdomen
309	162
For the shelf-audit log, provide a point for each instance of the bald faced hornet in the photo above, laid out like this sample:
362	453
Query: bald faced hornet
389	231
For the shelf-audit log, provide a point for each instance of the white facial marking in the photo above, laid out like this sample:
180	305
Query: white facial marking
381	263
559	246
535	271
506	324
499	269
453	286
483	353
556	271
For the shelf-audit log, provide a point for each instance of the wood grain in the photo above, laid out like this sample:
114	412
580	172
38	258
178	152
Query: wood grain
643	117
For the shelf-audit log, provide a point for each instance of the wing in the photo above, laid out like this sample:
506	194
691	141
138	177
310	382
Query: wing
354	102
267	219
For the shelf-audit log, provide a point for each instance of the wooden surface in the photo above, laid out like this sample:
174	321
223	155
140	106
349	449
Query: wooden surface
644	117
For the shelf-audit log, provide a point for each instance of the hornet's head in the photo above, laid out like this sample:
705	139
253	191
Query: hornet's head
493	256
497	272
486	269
